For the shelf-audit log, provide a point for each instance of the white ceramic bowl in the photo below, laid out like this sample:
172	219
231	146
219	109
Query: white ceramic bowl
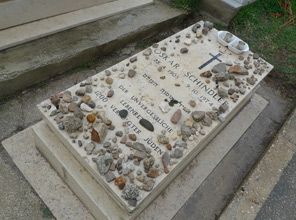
221	36
232	47
232	44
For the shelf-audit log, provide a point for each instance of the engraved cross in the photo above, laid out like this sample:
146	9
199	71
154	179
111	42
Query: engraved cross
211	60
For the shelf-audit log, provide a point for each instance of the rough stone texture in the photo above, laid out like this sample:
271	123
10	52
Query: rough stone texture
23	65
72	123
19	201
269	191
209	200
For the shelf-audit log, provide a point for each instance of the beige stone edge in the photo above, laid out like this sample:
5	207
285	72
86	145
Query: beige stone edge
27	32
247	203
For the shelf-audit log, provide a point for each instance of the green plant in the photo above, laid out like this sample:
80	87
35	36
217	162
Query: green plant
260	24
43	85
46	213
192	5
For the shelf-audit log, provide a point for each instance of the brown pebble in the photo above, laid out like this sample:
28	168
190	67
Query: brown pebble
192	103
205	31
234	96
72	107
208	81
132	137
123	140
166	170
112	167
162	77
129	144
110	93
177	84
120	179
91	118
153	173
121	186
176	116
86	99
206	74
159	69
169	147
60	95
131	73
109	80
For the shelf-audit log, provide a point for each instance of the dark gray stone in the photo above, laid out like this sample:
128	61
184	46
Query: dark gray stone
132	202
219	68
195	27
185	130
178	153
61	126
207	121
146	124
119	133
184	50
181	144
139	146
88	89
110	176
91	104
130	191
123	113
104	162
80	92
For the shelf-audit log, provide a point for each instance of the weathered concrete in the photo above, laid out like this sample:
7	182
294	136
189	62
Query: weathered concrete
20	34
281	202
18	199
17	12
27	64
270	171
223	10
227	177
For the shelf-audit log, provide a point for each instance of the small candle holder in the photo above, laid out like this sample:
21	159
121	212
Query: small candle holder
228	37
241	45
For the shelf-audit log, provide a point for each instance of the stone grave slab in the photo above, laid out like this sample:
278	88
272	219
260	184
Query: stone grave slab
136	125
25	147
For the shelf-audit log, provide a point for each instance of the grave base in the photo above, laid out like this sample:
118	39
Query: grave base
58	198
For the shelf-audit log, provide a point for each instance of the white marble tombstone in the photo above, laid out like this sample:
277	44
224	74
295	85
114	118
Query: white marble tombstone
153	85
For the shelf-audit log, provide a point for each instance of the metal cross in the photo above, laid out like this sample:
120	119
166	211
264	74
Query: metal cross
211	60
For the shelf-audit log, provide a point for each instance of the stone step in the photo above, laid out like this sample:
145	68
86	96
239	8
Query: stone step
64	205
32	62
30	31
261	195
223	10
